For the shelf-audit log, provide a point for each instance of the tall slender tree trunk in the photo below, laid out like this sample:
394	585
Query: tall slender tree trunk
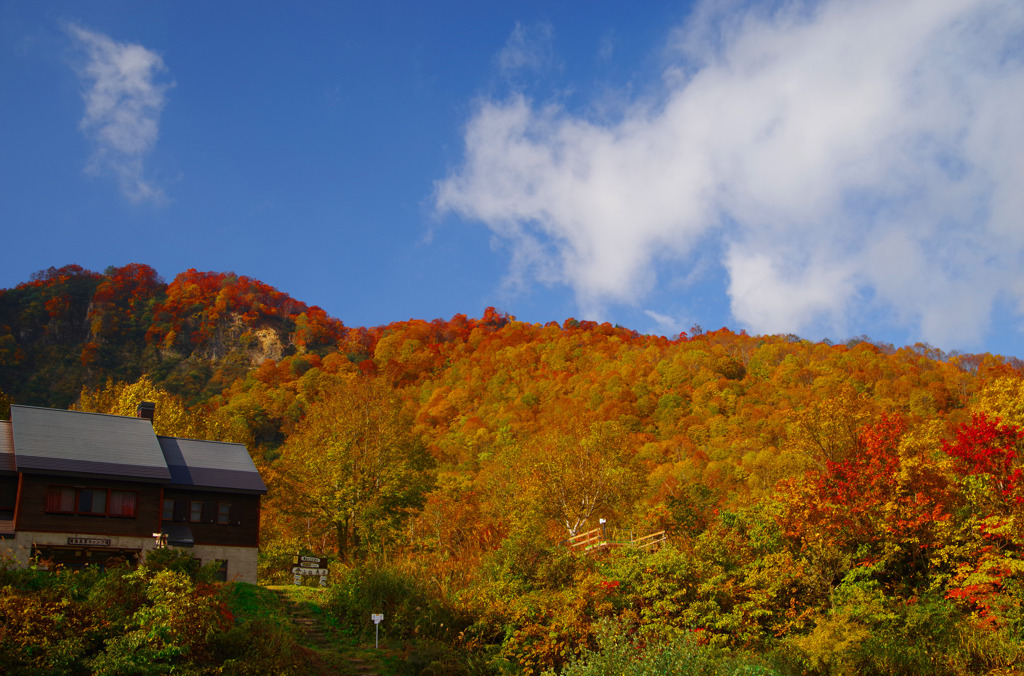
342	528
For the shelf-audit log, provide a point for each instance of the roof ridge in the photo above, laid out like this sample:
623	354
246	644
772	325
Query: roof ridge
71	410
205	441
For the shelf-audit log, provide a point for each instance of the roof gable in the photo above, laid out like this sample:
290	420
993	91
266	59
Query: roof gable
54	441
211	465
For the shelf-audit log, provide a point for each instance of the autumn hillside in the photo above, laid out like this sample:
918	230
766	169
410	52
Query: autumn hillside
827	505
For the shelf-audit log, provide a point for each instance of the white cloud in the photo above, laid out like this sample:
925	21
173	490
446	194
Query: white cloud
850	157
123	102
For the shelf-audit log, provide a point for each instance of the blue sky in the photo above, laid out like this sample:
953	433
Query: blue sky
829	169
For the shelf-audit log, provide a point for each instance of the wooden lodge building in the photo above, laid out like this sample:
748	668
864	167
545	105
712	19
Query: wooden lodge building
79	488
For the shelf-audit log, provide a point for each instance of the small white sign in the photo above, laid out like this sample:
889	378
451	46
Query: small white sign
377	619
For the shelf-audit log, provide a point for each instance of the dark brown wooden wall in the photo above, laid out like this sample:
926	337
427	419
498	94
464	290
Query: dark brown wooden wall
8	492
245	511
32	514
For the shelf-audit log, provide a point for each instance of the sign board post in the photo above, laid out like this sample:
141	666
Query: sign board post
376	628
303	566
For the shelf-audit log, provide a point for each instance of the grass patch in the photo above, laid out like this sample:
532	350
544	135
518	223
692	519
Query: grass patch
250	602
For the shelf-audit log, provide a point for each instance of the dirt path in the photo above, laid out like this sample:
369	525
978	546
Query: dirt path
315	635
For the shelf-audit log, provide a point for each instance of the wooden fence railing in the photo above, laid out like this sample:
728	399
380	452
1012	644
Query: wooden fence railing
596	539
586	540
652	541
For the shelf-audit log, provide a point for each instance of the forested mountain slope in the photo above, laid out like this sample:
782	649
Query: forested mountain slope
811	491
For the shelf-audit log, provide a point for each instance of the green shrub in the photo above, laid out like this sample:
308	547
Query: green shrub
434	658
529	560
116	596
174	629
413	606
161	618
171	558
262	645
621	654
275	563
44	632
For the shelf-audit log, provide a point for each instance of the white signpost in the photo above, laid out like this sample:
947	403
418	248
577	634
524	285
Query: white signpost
377	618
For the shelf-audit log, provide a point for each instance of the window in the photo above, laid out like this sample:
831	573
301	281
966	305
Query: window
176	509
122	503
209	511
222	570
60	500
91	501
168	512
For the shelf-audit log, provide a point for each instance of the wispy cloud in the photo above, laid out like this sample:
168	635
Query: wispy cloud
846	158
606	48
529	48
124	97
666	325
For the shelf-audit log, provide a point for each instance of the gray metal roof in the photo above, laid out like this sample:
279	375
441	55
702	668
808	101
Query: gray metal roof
211	464
53	441
7	447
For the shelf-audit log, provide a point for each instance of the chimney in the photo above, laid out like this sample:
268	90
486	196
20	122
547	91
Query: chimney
146	410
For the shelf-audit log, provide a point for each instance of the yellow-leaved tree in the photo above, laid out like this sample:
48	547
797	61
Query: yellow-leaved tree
173	417
354	466
583	469
1002	398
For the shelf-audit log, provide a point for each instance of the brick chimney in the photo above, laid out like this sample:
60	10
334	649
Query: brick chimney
146	409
